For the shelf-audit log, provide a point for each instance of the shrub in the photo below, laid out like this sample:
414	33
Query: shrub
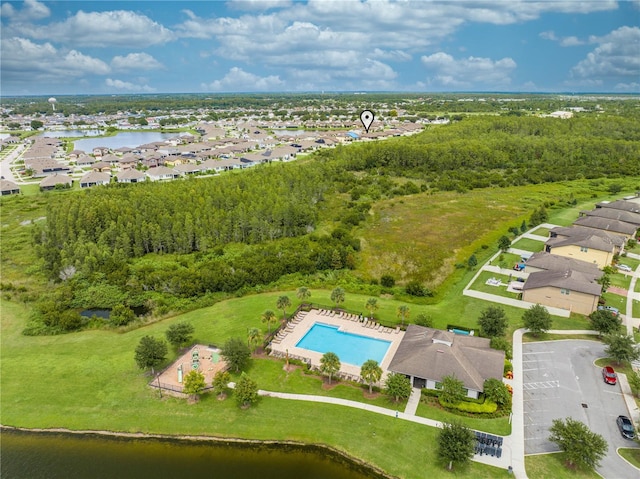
507	366
487	407
387	281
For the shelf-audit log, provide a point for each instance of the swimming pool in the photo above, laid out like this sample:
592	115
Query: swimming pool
350	348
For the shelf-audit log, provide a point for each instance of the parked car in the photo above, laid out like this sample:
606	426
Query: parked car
609	375
624	267
613	310
626	427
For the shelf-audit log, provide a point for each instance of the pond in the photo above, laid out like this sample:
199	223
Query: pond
27	455
71	133
129	139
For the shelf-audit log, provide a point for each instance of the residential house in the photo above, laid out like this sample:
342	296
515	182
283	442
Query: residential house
630	206
50	182
94	178
128	161
131	176
428	355
590	248
8	188
100	151
564	232
605	224
188	169
45	166
572	290
614	214
101	166
543	261
160	173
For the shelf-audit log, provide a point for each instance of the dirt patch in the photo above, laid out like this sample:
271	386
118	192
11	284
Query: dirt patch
373	395
290	367
329	386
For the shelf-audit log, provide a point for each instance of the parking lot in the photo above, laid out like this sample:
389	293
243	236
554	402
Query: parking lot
559	381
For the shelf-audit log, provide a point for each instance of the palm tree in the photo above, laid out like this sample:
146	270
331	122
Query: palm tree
283	303
403	313
337	296
372	306
268	317
371	372
303	293
330	364
253	337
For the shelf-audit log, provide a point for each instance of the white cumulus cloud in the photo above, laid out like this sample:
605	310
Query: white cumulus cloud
104	29
616	56
237	80
136	61
127	86
31	10
447	71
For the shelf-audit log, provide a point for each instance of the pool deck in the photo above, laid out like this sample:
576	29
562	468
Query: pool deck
285	342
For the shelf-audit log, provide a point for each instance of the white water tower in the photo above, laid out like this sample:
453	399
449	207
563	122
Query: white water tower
53	103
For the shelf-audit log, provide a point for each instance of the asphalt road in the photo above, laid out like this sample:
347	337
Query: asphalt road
560	380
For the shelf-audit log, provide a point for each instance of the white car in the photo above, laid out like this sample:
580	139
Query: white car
624	267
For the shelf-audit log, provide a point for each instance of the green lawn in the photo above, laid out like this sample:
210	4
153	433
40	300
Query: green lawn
620	280
636	308
480	284
546	466
528	245
616	301
631	455
89	380
540	231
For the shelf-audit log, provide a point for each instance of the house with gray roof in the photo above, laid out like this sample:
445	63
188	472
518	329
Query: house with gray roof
569	289
630	206
543	261
131	176
606	224
614	214
50	182
618	241
94	178
160	173
591	248
428	355
8	188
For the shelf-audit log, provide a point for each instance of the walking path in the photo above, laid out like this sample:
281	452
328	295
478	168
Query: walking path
412	403
503	462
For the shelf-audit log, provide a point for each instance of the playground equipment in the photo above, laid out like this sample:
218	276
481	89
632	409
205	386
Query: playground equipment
195	359
180	374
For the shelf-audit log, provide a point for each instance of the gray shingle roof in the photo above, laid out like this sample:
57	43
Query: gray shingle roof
606	224
553	262
630	206
614	214
426	353
592	241
567	279
574	230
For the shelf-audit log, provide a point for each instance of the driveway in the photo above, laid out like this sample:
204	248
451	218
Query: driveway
559	381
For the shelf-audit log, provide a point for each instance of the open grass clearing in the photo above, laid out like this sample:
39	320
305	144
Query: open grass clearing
480	284
528	244
545	466
89	381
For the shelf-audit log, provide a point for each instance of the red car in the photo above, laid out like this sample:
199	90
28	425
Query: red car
609	375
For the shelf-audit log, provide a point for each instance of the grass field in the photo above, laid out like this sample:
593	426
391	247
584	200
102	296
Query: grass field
544	466
528	244
89	380
480	284
631	455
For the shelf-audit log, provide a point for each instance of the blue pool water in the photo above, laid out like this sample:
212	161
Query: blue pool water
350	348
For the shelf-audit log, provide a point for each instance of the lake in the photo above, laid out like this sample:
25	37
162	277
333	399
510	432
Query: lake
71	133
26	455
128	139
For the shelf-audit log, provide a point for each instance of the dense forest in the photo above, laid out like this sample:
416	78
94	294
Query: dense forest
161	244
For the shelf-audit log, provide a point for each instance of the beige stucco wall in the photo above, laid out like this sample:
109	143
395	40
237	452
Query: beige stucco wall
600	258
574	301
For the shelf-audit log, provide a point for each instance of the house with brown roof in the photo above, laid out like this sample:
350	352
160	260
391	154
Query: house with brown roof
101	166
592	249
428	355
572	290
160	173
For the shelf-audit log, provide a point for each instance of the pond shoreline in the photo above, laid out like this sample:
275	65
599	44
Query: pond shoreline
321	449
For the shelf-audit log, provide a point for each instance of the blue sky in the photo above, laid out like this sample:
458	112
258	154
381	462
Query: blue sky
104	47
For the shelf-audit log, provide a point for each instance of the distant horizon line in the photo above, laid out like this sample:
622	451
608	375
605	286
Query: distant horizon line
325	92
